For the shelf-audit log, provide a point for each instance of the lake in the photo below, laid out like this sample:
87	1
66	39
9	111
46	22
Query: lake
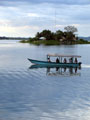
28	93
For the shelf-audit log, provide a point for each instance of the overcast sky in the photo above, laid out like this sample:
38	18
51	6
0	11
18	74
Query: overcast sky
26	17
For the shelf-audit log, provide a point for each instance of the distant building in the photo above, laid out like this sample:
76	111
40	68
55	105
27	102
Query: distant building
42	38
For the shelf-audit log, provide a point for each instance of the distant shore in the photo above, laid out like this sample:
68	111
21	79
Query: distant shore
13	38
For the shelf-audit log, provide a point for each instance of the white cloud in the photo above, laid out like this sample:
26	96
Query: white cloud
18	31
4	22
42	16
33	15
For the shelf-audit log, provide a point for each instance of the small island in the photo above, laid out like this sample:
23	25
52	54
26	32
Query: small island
47	37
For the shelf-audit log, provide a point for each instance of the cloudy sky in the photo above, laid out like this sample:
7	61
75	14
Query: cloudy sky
26	17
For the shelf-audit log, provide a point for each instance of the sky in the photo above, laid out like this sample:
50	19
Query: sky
24	18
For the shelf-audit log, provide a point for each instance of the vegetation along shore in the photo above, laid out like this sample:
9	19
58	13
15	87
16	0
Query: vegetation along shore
46	37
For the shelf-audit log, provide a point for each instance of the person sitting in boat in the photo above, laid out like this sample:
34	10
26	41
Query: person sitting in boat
57	60
71	60
65	61
76	61
49	60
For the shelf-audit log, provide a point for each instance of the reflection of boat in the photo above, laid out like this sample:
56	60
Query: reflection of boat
59	64
49	66
61	71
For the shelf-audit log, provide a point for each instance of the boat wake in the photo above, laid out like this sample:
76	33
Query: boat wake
85	66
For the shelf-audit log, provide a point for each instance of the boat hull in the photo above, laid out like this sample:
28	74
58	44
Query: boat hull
54	64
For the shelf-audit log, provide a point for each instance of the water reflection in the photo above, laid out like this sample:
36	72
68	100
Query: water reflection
33	95
63	71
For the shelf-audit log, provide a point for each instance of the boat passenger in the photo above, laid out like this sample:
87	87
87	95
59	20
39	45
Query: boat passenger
65	61
49	60
71	60
76	61
57	60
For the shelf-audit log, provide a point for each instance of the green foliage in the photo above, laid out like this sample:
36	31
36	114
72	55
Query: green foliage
23	41
45	33
45	42
38	35
58	35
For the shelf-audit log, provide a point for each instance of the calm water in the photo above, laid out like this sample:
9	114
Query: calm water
42	94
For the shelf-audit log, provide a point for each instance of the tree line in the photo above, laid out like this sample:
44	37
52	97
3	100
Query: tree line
68	36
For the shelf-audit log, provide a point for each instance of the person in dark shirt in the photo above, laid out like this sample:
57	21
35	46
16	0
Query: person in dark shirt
57	60
65	61
76	61
71	60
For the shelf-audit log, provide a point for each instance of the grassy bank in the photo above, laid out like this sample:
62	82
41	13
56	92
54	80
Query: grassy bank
41	42
81	41
53	42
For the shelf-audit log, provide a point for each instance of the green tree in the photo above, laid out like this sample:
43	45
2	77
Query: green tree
58	35
47	34
38	35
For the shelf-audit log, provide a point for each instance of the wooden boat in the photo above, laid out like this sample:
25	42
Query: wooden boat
60	64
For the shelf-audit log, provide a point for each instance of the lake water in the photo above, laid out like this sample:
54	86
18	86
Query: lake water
42	94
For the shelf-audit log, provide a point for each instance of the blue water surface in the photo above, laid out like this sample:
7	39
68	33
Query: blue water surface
42	94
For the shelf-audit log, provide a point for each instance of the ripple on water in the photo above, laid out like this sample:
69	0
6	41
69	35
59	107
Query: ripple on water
27	93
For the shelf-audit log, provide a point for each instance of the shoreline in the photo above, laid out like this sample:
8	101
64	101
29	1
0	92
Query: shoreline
53	42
